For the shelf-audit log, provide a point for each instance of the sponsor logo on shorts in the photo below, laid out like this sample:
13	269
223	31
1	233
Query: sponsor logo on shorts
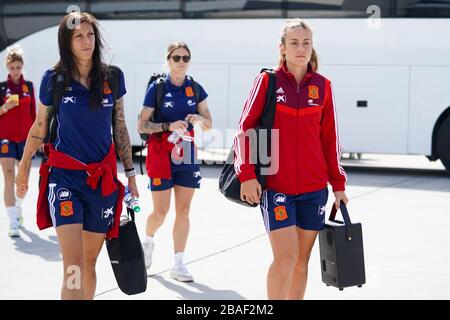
66	208
279	199
64	194
280	213
108	212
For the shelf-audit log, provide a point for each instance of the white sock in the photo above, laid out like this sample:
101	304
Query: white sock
179	258
12	214
148	239
19	202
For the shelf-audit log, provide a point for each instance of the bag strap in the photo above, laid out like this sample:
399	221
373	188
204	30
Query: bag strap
3	88
346	217
130	213
58	89
113	78
268	115
159	98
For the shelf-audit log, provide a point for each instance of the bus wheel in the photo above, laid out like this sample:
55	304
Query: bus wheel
443	143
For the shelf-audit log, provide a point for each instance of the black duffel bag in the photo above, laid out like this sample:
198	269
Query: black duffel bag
229	184
127	257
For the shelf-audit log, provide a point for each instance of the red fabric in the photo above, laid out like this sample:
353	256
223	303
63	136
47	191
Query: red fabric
15	124
106	170
160	151
158	156
309	148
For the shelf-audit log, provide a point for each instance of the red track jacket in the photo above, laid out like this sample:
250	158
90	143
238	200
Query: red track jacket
309	148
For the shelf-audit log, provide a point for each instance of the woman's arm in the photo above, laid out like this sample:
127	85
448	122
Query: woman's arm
204	116
145	125
123	146
35	138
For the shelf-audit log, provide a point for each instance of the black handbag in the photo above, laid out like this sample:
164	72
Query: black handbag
341	252
127	257
229	184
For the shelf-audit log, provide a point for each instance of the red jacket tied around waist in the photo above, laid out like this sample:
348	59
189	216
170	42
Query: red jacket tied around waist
308	147
160	151
106	170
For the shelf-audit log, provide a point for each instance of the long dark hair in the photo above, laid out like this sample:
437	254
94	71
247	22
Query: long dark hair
66	63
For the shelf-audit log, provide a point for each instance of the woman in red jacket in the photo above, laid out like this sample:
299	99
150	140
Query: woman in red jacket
17	114
294	198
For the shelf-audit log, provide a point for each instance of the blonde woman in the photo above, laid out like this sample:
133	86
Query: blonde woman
17	114
293	200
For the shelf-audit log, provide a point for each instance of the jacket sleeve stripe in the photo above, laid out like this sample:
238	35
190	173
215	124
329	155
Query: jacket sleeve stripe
338	142
248	106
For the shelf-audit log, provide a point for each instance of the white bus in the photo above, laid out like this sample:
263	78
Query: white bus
391	75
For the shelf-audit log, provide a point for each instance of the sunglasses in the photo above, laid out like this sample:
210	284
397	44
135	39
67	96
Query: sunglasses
177	58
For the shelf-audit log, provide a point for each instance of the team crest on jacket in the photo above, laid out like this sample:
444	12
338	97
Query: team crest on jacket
25	88
280	213
313	92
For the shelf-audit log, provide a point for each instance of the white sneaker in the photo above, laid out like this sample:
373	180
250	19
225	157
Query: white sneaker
148	252
180	273
14	231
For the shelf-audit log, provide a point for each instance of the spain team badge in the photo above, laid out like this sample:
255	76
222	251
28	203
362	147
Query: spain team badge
106	88
156	181
189	92
25	89
313	92
280	213
67	208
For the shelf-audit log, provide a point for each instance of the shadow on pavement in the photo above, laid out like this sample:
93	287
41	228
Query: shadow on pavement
47	250
200	292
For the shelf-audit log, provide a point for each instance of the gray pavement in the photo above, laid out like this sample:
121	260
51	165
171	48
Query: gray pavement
405	215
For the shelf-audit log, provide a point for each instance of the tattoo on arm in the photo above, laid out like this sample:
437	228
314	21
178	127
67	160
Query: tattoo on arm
146	126
40	124
121	137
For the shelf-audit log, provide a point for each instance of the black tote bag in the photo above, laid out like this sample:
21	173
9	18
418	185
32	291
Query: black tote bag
341	252
229	184
127	257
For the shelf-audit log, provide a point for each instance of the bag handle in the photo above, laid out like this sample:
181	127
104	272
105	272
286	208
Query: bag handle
130	213
346	217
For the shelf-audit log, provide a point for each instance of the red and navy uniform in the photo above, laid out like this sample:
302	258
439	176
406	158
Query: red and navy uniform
15	124
178	102
84	134
309	147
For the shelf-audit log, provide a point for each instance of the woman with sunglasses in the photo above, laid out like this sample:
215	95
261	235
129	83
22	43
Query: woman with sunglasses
184	105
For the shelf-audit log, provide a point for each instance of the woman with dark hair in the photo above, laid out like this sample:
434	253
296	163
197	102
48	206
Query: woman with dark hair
17	114
79	191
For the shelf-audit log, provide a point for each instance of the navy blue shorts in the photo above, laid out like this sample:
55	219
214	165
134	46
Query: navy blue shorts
306	210
72	201
10	149
184	178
